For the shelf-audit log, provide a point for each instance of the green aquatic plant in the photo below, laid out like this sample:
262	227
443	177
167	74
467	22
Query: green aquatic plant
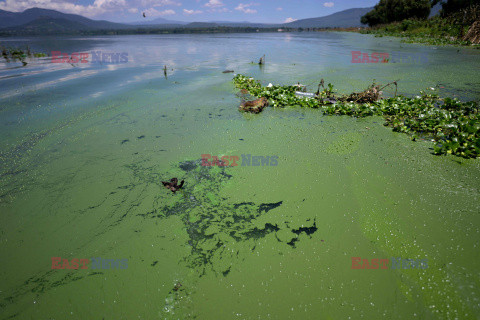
435	31
9	53
453	125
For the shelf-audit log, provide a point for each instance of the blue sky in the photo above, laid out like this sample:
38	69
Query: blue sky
270	11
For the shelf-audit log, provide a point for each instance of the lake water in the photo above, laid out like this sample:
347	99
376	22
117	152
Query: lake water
84	148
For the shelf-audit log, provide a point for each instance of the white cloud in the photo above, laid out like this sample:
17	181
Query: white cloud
159	3
289	20
155	13
219	10
244	7
279	9
328	4
97	8
190	12
214	4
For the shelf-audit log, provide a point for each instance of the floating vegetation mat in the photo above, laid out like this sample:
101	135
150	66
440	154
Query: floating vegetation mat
453	125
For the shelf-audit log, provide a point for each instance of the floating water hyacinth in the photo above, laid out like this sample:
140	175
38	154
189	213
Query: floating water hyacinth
453	125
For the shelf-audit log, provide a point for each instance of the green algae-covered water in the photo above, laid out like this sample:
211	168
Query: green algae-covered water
84	148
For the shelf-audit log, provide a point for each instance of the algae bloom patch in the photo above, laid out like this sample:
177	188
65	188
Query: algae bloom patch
214	223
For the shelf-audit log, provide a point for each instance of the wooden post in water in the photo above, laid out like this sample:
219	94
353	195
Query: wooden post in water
262	60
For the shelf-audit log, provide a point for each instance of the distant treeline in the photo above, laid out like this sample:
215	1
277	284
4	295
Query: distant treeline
457	24
388	11
198	30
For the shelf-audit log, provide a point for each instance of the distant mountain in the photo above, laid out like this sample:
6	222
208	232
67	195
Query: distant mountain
229	24
7	18
201	25
157	21
223	21
245	24
46	25
44	21
26	18
343	19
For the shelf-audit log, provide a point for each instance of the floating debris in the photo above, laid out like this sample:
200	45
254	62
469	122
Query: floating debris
228	71
177	286
320	85
371	94
452	124
172	185
304	94
254	106
300	87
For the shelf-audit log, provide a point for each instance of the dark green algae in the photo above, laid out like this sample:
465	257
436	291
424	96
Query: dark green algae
212	222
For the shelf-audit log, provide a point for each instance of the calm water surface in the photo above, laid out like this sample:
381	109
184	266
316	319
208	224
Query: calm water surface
84	148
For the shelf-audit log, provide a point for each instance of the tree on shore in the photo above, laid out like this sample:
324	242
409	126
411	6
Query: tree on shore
387	11
452	6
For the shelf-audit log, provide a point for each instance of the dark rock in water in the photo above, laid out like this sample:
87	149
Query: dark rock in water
172	185
254	106
228	71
